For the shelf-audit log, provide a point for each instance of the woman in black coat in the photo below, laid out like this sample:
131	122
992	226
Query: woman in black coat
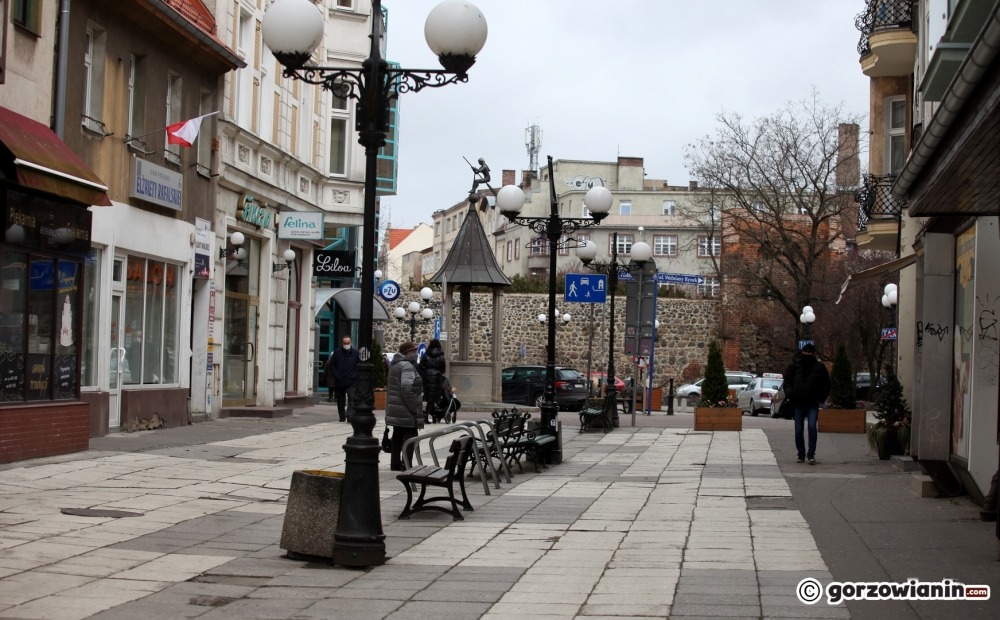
432	369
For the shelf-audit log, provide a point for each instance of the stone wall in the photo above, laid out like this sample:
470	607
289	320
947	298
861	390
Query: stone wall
686	328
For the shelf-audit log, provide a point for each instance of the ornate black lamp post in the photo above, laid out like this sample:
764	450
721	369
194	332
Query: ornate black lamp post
510	199
292	30
414	309
641	252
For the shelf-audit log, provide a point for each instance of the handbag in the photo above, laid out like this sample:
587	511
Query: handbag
386	442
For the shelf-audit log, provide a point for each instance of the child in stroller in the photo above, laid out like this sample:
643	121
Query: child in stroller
448	406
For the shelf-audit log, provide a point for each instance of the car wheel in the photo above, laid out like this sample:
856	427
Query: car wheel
774	413
539	399
753	409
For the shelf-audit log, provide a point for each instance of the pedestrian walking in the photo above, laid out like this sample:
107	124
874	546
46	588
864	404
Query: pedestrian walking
807	384
341	374
403	411
432	368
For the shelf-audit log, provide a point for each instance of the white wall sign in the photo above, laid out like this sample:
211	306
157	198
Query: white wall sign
297	225
156	184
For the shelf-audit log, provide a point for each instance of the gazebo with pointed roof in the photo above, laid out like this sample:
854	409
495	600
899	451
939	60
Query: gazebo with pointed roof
469	263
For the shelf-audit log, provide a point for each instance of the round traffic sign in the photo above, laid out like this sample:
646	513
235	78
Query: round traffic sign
389	290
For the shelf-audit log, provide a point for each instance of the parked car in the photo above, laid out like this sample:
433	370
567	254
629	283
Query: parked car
524	385
863	384
736	380
597	382
756	396
779	408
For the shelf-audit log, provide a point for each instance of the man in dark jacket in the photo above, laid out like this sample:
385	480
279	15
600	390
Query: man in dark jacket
432	368
341	374
402	408
807	384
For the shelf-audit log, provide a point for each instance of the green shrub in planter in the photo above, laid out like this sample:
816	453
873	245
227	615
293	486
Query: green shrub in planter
715	387
843	393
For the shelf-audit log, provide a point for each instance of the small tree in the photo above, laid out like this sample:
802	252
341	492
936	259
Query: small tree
379	378
715	387
843	393
893	416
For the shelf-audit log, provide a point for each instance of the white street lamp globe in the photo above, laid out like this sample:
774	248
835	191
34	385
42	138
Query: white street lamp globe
641	252
807	309
656	324
378	274
426	293
809	317
893	297
426	314
541	317
413	308
236	238
455	30
598	199
802	318
510	199
890	287
288	255
398	312
885	301
241	253
566	318
587	251
292	29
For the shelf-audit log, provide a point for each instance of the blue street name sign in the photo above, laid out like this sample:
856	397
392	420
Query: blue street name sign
669	278
586	288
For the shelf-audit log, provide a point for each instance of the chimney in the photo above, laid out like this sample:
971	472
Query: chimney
848	170
692	185
507	178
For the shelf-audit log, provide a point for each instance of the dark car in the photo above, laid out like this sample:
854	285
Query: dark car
863	385
523	385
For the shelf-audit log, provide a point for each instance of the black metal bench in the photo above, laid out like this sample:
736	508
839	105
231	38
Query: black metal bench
444	477
523	441
594	416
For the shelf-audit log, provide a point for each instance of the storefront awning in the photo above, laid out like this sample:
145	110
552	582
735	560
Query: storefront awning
876	273
41	161
349	302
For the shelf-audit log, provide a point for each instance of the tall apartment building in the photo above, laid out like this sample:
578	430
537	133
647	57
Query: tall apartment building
935	141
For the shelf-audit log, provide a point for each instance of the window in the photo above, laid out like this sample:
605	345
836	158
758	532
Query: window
564	245
510	251
345	4
136	97
539	246
625	207
152	321
757	206
93	87
665	245
91	308
437	228
895	134
27	14
709	246
172	152
669	207
245	91
710	288
517	249
624	245
338	145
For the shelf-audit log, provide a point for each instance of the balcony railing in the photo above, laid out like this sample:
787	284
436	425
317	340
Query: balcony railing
883	16
875	200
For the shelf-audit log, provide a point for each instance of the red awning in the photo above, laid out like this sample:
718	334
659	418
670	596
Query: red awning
43	162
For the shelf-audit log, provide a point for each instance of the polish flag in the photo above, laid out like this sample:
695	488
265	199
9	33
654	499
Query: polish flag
185	132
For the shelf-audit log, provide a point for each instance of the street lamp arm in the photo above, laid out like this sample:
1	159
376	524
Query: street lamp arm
554	227
350	83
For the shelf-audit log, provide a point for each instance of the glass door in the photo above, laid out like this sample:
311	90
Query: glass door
240	352
120	372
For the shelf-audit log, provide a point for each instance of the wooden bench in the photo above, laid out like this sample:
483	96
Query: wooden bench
444	477
597	416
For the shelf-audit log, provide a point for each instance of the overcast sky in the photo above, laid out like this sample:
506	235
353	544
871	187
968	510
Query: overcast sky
636	78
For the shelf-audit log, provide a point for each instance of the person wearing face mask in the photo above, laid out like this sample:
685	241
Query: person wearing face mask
404	403
341	374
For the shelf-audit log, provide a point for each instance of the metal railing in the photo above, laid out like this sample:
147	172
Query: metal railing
882	16
875	199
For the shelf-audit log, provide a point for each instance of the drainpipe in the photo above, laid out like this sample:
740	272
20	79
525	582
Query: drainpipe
62	57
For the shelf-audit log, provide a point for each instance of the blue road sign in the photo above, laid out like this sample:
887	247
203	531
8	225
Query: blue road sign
586	288
679	278
803	343
437	328
888	333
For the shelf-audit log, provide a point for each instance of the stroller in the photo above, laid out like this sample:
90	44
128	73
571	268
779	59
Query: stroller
447	408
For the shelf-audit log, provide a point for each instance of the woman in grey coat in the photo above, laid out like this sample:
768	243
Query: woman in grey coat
403	407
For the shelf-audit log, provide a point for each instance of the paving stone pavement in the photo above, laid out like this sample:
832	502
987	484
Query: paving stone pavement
642	522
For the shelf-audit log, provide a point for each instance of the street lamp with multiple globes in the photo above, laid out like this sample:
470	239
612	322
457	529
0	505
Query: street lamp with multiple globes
640	253
292	29
510	199
807	318
413	308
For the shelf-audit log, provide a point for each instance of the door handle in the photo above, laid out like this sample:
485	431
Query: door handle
250	350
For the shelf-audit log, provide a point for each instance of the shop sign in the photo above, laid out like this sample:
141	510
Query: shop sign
254	212
296	225
156	184
202	248
333	264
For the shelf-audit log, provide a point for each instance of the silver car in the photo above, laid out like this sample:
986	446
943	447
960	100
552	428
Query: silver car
757	396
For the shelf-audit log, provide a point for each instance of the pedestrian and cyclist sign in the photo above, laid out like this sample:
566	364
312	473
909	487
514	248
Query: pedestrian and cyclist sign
586	288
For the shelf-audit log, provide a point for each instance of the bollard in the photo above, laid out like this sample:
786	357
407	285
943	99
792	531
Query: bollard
670	397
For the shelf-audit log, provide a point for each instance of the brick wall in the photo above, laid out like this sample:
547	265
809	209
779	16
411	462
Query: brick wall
36	431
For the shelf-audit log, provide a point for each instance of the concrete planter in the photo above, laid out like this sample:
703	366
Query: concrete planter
841	420
718	419
311	514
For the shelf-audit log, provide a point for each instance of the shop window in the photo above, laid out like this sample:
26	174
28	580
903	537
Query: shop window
151	321
91	309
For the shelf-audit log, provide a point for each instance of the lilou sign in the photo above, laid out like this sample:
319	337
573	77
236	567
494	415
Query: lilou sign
296	225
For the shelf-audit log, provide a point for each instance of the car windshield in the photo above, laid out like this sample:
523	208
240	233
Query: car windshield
568	374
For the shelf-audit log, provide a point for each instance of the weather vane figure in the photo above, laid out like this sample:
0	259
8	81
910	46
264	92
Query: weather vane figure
480	176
